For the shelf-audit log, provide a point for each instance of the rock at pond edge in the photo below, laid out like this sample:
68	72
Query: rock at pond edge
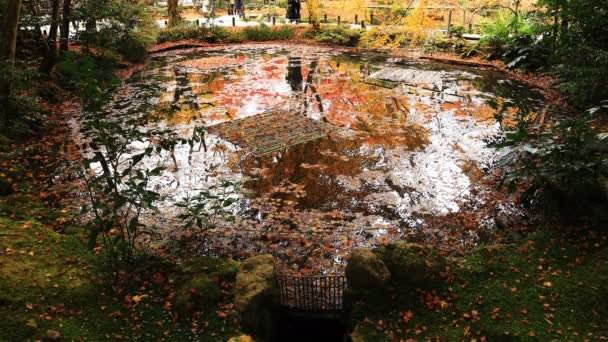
256	294
365	270
412	264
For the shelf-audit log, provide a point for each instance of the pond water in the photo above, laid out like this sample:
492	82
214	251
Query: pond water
333	149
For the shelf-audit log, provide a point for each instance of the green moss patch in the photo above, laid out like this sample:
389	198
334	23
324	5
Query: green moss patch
50	281
550	286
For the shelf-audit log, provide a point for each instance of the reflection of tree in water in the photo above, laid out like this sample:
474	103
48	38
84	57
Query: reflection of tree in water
314	166
518	95
294	73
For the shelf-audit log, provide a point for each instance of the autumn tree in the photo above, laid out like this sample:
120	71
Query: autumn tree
8	46
352	8
313	13
419	22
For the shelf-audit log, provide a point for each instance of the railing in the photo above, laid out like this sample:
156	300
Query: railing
312	294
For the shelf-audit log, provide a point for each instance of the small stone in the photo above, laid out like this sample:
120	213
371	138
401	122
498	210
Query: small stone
53	335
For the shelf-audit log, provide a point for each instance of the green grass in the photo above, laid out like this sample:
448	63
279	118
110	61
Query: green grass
548	287
264	33
50	281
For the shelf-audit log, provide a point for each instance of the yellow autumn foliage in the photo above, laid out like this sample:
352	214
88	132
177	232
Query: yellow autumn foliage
401	27
313	8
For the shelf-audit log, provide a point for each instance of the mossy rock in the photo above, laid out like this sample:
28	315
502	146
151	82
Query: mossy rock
256	295
412	264
226	269
365	270
199	283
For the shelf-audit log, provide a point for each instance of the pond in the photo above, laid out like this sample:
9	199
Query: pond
333	149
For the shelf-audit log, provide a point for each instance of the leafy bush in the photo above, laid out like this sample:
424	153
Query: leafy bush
85	75
335	35
21	114
190	31
264	33
458	46
127	27
517	40
457	30
565	167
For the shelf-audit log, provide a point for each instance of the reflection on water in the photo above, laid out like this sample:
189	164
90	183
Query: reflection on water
403	151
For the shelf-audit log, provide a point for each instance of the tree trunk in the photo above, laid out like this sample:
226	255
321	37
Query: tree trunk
8	46
65	26
51	58
35	9
173	13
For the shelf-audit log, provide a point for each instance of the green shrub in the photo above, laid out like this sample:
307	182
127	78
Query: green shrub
335	35
264	33
190	31
564	168
457	31
128	28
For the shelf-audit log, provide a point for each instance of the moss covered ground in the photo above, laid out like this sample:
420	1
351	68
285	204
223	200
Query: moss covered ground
51	281
550	286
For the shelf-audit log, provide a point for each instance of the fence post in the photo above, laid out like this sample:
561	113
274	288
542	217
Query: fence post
356	18
450	24
274	21
339	20
325	17
363	24
371	18
233	21
470	27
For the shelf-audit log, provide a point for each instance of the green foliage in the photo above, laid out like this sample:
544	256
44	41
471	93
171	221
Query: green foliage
457	46
87	75
264	33
503	293
517	40
457	31
128	27
583	84
76	304
22	116
568	37
569	159
210	206
190	31
335	35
